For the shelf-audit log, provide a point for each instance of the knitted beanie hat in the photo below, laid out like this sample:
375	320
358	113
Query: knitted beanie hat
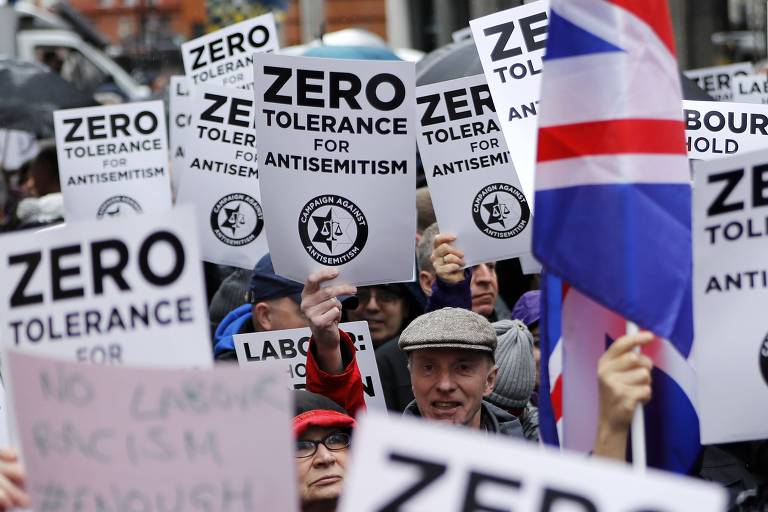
517	367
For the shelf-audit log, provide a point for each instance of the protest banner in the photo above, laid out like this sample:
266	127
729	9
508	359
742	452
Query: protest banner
717	81
411	464
221	177
120	292
472	180
180	107
714	130
750	89
122	439
225	58
113	160
511	46
16	148
730	235
290	346
337	157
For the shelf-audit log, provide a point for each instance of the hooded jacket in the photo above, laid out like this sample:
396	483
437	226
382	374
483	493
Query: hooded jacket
237	321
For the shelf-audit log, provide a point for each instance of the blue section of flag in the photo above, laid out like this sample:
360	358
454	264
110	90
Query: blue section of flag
565	39
551	330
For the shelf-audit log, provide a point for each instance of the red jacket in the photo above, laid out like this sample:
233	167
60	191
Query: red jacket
345	388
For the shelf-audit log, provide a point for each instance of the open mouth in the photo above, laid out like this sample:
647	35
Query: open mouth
445	407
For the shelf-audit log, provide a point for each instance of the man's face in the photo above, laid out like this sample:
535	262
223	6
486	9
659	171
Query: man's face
449	384
321	475
278	314
485	288
383	309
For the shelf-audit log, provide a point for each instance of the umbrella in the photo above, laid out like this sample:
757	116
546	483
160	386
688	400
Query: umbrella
30	95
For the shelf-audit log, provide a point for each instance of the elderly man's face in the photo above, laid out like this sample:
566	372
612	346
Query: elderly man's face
383	309
449	384
321	476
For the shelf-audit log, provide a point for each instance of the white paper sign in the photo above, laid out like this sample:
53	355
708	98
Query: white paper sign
221	178
418	465
714	130
225	57
290	346
730	238
116	292
472	181
337	153
180	108
511	46
16	148
750	89
113	160
717	81
120	439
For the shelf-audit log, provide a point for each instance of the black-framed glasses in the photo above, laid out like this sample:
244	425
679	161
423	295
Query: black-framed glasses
382	295
334	441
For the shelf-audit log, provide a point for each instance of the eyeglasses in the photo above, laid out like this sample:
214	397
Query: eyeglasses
334	442
383	296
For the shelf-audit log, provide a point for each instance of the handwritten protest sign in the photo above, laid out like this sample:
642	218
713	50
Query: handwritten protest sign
290	346
717	81
750	89
180	110
511	46
730	237
119	292
225	58
409	464
113	160
714	130
472	181
222	179
337	153
96	438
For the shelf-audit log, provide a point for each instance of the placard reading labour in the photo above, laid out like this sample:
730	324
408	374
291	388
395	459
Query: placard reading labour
337	154
122	439
417	465
113	160
123	292
221	178
751	89
511	45
714	130
225	57
472	180
717	81
730	234
290	346
180	113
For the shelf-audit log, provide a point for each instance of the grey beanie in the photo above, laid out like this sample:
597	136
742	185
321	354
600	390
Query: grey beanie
517	367
449	328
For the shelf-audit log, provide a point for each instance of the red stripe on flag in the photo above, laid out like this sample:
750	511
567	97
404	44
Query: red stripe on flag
655	13
618	136
556	398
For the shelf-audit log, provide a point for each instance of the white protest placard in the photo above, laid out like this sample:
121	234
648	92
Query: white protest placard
290	346
95	438
16	148
717	81
337	157
750	89
419	465
471	177
113	160
511	46
225	58
180	108
117	292
730	240
221	177
714	129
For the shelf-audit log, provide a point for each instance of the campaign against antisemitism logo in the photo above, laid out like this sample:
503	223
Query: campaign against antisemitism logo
237	219
333	230
118	206
500	211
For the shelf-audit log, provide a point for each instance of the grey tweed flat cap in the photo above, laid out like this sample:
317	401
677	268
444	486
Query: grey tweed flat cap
449	328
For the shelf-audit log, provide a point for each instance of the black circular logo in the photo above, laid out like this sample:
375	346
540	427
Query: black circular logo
333	230
764	359
236	219
118	206
500	211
